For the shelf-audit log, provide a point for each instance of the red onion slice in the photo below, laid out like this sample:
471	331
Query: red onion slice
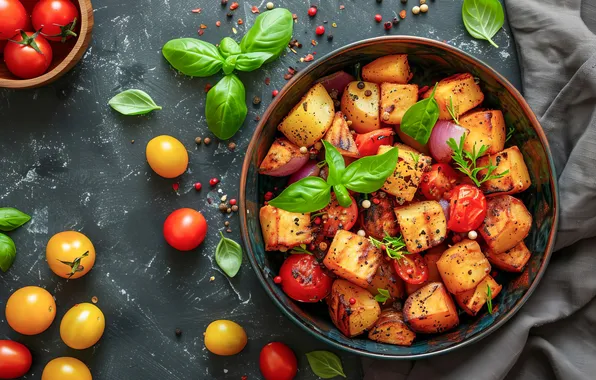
443	131
445	205
308	170
336	81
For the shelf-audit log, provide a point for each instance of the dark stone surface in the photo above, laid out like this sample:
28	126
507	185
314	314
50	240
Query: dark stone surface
68	160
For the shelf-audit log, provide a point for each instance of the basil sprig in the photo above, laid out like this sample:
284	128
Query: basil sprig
11	218
8	252
133	102
325	364
228	255
365	175
483	18
420	119
225	109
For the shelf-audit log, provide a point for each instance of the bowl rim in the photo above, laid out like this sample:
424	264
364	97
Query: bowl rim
527	111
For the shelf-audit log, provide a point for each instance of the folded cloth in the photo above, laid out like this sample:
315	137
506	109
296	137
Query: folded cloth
554	335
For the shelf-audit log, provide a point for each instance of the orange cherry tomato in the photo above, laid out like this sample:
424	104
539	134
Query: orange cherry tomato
167	156
30	310
70	254
82	326
66	369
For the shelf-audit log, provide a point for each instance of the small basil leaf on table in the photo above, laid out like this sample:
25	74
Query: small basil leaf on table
228	255
133	102
251	61
228	47
8	252
230	64
342	195
306	195
368	174
420	119
225	108
193	57
11	218
325	364
336	163
483	18
270	33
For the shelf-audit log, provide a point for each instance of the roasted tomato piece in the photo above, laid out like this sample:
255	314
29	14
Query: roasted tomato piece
368	143
467	208
303	279
411	268
379	219
335	217
436	182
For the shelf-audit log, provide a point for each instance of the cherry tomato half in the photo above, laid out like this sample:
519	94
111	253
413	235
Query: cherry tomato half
440	179
338	217
225	338
278	362
467	208
66	369
30	310
70	254
54	18
411	268
303	279
13	17
368	143
24	61
185	229
15	359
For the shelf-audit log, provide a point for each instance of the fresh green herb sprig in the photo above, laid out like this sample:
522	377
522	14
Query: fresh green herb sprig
489	299
300	249
510	132
325	364
10	219
420	119
394	246
483	18
453	111
466	161
382	296
228	255
133	102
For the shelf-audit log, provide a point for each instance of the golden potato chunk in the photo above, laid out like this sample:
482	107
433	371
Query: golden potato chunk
391	328
395	101
515	181
423	225
463	266
390	68
283	230
339	136
430	258
462	90
410	166
310	119
350	319
282	157
473	300
507	223
486	127
353	257
387	279
513	260
360	104
430	310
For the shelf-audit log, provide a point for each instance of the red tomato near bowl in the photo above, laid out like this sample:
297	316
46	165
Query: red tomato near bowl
15	359
338	217
23	60
185	229
467	208
55	18
303	279
436	182
368	143
13	17
411	268
278	362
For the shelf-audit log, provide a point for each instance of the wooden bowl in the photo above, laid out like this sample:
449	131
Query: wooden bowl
65	55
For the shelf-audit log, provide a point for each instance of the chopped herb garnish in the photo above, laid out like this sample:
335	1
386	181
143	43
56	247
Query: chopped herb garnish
489	299
382	296
415	157
394	246
510	132
300	249
453	111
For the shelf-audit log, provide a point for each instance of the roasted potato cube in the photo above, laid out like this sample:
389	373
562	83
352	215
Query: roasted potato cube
310	119
283	230
339	136
422	225
507	223
361	106
463	266
351	319
459	89
430	310
473	300
283	159
379	219
395	101
353	257
515	181
391	328
387	279
513	260
430	258
390	68
404	181
486	127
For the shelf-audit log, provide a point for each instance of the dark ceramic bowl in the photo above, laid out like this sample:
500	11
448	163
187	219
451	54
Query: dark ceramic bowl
430	60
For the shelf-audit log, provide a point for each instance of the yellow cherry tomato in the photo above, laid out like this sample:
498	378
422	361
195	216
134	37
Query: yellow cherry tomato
66	369
30	310
82	326
225	337
167	156
70	254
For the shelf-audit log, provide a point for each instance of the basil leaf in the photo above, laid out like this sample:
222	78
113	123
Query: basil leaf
225	108
368	174
251	61
336	163
8	252
133	102
193	57
307	195
228	46
228	255
483	18
325	364
342	195
230	64
11	218
419	120
271	33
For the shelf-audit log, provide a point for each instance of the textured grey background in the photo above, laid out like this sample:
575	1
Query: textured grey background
67	159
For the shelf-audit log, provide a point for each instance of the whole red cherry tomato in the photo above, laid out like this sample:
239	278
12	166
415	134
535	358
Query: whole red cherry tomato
338	217
185	229
303	279
368	143
440	179
13	17
411	268
15	359
28	55
278	362
55	18
467	208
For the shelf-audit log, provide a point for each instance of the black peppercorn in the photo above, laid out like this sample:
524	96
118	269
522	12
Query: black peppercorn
330	37
224	3
229	14
256	100
395	21
404	1
379	1
178	332
360	85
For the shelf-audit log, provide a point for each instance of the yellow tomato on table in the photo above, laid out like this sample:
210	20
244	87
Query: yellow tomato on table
82	326
167	156
70	254
225	337
66	369
30	310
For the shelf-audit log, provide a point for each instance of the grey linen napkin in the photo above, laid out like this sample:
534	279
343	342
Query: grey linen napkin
554	335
